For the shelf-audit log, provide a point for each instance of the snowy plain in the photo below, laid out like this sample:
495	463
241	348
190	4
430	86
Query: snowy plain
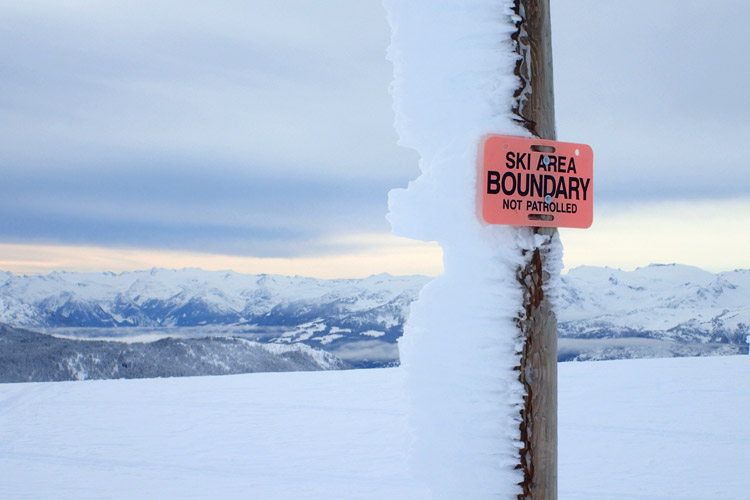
653	429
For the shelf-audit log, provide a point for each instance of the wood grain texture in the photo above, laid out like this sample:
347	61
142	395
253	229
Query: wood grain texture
537	323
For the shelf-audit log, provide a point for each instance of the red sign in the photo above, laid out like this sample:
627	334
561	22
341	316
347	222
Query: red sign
534	182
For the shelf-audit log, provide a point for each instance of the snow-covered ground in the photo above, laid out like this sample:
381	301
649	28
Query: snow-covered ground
629	430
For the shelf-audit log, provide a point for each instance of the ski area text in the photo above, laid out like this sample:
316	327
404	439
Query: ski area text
534	182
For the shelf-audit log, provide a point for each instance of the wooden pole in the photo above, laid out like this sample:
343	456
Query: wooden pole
538	326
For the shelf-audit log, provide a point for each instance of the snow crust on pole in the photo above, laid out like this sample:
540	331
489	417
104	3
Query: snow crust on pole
453	83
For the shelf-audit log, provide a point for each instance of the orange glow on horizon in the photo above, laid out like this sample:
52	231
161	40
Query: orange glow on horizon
700	233
378	254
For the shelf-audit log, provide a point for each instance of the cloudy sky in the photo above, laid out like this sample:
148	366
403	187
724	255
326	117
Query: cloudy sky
257	135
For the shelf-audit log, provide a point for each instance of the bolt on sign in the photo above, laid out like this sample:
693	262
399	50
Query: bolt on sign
535	182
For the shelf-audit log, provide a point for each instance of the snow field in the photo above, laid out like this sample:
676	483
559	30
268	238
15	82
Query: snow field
655	429
659	429
285	437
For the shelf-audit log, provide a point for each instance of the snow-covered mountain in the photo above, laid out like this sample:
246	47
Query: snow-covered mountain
357	319
602	313
691	310
193	297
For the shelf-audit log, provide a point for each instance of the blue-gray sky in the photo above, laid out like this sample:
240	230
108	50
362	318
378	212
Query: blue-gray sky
263	129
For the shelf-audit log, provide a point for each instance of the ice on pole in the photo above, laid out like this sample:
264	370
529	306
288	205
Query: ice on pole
454	83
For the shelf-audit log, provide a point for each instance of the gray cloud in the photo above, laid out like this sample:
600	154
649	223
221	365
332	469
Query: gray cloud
235	80
263	128
247	128
658	91
188	206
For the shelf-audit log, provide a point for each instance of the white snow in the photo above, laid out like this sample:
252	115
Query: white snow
453	83
327	339
638	430
304	331
373	333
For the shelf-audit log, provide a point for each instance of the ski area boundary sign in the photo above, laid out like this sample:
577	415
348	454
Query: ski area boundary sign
535	182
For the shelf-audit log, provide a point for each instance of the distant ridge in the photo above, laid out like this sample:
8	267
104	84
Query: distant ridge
31	357
603	313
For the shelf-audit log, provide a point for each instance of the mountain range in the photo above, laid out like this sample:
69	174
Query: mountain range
603	313
653	311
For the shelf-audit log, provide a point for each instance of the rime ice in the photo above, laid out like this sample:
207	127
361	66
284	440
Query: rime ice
454	82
